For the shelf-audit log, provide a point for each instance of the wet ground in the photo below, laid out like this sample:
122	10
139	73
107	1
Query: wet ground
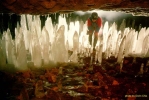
79	81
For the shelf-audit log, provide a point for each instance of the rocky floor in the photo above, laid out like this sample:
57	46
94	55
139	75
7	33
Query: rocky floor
75	81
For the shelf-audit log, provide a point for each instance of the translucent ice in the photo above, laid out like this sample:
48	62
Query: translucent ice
139	42
75	47
121	50
105	35
9	47
36	50
100	54
59	52
2	56
53	41
21	58
45	46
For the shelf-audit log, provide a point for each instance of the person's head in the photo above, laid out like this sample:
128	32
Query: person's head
94	16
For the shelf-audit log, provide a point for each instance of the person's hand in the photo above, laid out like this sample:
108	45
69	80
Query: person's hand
89	32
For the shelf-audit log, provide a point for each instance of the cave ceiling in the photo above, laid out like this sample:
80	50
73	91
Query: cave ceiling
137	7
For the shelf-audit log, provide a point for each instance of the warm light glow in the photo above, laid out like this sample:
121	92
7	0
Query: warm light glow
52	42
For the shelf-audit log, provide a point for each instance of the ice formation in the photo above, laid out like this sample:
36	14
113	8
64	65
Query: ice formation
52	42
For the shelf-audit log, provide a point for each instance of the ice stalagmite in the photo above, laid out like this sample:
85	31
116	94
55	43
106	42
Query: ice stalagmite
50	29
122	27
100	53
121	50
15	56
9	47
21	57
75	47
110	40
59	52
128	42
113	42
147	44
37	25
23	22
29	21
3	49
25	31
36	50
27	38
75	41
67	49
45	46
117	44
133	46
131	43
105	35
77	27
2	56
108	48
81	26
70	34
145	47
139	42
83	43
67	45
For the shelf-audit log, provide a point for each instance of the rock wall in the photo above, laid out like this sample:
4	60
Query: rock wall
64	6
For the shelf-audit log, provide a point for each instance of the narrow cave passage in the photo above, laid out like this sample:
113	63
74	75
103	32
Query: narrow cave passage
40	63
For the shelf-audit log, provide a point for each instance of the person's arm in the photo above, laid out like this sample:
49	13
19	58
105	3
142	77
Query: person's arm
89	25
99	23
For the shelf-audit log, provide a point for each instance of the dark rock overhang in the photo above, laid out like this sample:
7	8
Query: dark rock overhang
64	6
